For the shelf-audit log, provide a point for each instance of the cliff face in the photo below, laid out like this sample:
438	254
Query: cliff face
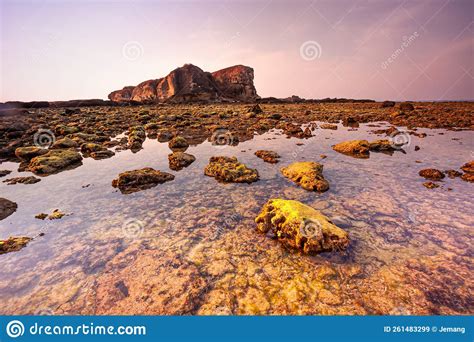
190	83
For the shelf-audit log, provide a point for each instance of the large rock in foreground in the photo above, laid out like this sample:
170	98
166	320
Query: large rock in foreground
189	83
308	175
230	170
55	161
142	179
299	226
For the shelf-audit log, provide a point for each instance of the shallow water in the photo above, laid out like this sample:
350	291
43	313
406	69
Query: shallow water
190	246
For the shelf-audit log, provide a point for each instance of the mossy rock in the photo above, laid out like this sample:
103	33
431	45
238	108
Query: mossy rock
299	226
55	161
353	148
29	152
141	179
308	175
230	170
268	156
178	143
13	244
179	160
64	143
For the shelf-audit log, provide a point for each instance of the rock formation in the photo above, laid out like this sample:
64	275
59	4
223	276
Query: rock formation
189	83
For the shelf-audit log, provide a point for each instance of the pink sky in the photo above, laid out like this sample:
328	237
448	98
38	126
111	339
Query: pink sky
400	50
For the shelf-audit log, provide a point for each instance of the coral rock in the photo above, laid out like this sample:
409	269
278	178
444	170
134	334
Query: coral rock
179	160
230	170
299	226
268	156
54	161
309	175
432	174
136	180
353	148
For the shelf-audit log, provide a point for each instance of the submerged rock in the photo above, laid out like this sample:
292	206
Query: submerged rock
328	126
430	185
142	179
230	170
102	154
432	174
468	167
268	156
55	161
382	145
308	175
353	148
299	226
7	208
180	160
4	173
22	180
13	244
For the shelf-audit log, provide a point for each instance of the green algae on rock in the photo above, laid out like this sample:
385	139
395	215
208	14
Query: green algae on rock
136	137
64	143
299	226
178	143
29	152
308	175
268	156
230	170
353	148
179	160
141	179
55	161
13	244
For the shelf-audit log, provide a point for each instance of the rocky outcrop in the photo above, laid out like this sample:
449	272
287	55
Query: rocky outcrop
189	83
236	83
55	161
7	208
299	226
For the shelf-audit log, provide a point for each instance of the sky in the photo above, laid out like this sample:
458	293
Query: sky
381	50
